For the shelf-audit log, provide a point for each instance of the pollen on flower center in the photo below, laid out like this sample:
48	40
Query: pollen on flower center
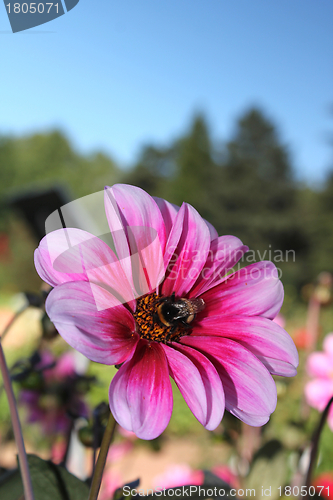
148	325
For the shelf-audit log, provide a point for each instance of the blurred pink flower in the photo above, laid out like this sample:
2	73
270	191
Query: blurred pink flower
118	450
57	369
110	310
126	434
58	451
110	483
178	475
45	409
50	403
319	391
225	473
65	366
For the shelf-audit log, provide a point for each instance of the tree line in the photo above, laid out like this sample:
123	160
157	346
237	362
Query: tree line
245	187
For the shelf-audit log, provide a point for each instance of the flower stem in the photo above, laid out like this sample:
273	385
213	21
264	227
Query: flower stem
100	464
68	444
315	443
27	486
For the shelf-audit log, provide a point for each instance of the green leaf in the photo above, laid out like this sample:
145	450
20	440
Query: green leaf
11	487
52	482
268	471
49	482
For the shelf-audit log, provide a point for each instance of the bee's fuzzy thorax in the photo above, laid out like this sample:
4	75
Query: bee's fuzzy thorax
150	323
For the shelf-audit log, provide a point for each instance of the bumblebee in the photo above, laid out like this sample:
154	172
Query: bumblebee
172	312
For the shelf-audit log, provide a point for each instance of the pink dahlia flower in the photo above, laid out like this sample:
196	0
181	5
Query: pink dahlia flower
319	391
220	345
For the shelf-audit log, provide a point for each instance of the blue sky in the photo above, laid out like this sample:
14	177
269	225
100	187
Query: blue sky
115	75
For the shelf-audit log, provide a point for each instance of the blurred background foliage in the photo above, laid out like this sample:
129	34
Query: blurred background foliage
245	186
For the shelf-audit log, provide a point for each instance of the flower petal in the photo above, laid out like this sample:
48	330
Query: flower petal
138	231
169	212
66	254
105	336
250	392
199	383
212	231
188	245
140	392
254	290
318	392
328	344
319	365
268	341
224	253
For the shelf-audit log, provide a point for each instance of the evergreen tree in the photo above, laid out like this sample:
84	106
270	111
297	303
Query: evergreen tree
196	172
153	170
183	171
258	191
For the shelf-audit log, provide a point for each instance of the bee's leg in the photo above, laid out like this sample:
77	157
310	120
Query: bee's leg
184	323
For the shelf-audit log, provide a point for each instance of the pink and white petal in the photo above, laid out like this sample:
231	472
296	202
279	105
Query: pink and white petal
248	418
106	336
67	254
138	231
169	212
199	383
189	254
319	364
249	389
130	206
140	393
318	392
70	254
147	263
264	338
112	277
254	290
173	239
277	366
212	231
224	254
